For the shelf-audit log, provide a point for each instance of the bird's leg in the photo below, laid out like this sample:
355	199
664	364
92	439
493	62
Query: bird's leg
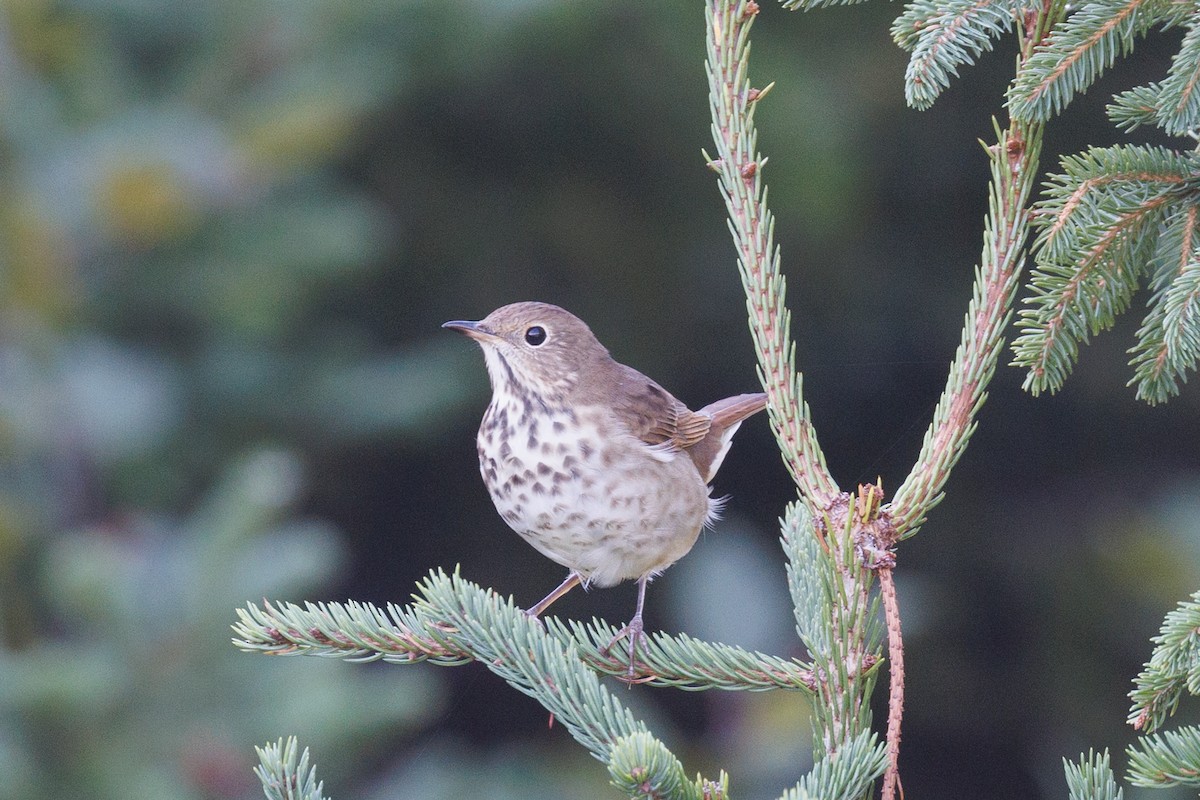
633	631
573	579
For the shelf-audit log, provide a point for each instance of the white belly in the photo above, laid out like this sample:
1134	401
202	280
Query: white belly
591	498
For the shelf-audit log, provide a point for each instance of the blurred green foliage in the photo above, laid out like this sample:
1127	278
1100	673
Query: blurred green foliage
228	232
172	217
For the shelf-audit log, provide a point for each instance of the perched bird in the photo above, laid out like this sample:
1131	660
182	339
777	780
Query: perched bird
591	462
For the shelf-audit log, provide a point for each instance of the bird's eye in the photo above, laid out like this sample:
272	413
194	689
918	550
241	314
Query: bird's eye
535	335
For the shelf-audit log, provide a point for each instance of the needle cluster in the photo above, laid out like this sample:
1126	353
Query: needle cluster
1116	218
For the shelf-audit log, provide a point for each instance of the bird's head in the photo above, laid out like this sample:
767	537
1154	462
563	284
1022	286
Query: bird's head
534	348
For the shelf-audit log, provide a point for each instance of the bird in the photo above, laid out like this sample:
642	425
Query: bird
592	463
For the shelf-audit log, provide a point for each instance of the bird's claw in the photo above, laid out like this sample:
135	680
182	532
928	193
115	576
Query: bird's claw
635	634
533	615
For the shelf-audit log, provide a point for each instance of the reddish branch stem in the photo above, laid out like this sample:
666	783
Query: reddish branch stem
891	613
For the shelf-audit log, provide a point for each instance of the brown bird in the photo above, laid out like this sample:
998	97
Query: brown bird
591	462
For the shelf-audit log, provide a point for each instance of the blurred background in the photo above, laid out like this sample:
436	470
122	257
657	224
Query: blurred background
229	231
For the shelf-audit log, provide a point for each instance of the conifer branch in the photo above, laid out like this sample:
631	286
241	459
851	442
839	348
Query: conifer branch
285	773
362	632
642	767
1169	339
1171	758
944	35
846	774
809	5
1092	778
544	668
1080	48
352	631
1014	166
834	608
1178	111
1174	667
739	167
1116	213
1135	107
836	616
500	636
812	581
681	662
1113	214
1014	159
1079	300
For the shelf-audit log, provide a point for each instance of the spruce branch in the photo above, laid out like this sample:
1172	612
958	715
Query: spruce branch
1098	185
356	631
1115	214
352	631
544	668
1092	778
1174	667
809	5
1080	48
943	35
836	615
739	167
812	581
285	774
1135	107
500	636
1171	758
682	662
838	622
857	534
845	774
1169	338
642	767
1014	160
1111	215
1178	106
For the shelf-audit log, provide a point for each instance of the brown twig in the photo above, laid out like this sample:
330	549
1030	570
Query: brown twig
875	542
891	613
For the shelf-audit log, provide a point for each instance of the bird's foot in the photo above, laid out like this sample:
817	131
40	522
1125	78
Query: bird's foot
534	615
634	634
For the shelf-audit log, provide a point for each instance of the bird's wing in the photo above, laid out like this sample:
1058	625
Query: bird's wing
654	416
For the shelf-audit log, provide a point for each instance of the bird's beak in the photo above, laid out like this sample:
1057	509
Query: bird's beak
475	330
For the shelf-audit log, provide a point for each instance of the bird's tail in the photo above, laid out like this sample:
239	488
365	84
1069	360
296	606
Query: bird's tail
727	416
733	410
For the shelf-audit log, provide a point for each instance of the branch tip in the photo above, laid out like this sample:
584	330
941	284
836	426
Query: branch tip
754	95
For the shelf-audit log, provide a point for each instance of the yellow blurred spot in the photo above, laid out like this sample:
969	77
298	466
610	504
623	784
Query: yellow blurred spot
41	276
12	525
298	133
44	35
145	204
